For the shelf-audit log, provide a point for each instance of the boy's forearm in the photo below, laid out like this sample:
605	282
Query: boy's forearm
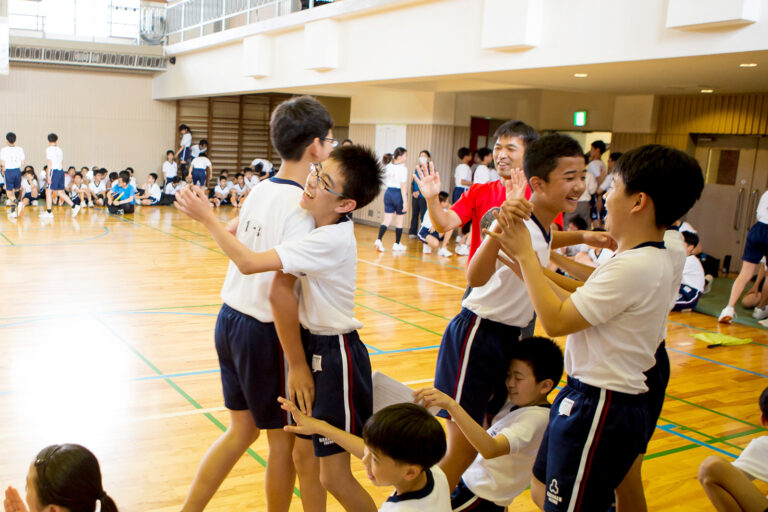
483	264
285	309
350	442
247	261
566	238
566	283
442	221
477	436
576	269
545	301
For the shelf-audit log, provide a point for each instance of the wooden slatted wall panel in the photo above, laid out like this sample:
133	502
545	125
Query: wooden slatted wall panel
194	113
255	128
365	134
624	141
223	139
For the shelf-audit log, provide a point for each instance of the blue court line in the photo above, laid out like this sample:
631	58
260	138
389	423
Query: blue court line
414	349
711	332
671	429
718	362
63	242
174	375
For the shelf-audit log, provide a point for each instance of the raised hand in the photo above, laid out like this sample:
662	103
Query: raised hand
13	501
516	184
193	202
600	239
511	234
428	180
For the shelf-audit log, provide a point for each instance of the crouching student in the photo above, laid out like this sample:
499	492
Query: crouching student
29	187
506	451
430	237
693	276
152	192
239	191
400	447
120	198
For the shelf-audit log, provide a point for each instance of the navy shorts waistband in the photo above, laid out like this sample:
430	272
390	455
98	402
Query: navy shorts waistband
490	325
616	396
16	169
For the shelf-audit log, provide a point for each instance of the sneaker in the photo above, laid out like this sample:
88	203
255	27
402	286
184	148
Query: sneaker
444	253
707	284
760	313
20	209
90	204
458	238
727	315
46	215
764	323
75	210
379	246
411	237
398	247
34	202
120	212
426	249
462	250
8	202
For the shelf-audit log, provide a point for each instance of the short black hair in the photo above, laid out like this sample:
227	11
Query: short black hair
691	239
71	167
29	168
125	176
52	137
462	153
429	155
10	137
129	169
483	152
764	403
238	175
84	167
671	178
443	196
224	172
578	221
113	176
296	123
399	151
202	141
515	128
599	145
246	169
154	175
543	355
222	177
407	433
184	127
78	174
543	155
346	141
615	155
363	175
170	152
176	179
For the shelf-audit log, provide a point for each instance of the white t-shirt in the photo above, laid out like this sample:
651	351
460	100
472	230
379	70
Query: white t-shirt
221	191
170	189
195	151
482	174
762	208
88	177
599	259
504	298
494	175
596	167
325	261
186	140
503	478
435	497
56	156
170	169
693	273
12	157
250	183
270	215
621	301
266	165
201	163
591	187
67	180
573	250
754	459
26	186
75	188
395	175
684	226
154	191
240	190
606	184
101	188
462	172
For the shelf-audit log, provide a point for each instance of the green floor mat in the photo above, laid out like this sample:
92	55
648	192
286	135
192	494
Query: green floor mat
713	303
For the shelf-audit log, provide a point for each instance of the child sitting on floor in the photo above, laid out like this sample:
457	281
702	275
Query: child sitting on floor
693	276
430	237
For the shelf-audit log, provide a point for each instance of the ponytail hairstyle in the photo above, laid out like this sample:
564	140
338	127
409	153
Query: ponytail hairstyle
68	475
398	153
386	159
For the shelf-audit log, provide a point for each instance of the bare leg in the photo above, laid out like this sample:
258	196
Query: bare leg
336	476
538	492
220	458
313	495
459	455
728	488
281	474
629	494
746	273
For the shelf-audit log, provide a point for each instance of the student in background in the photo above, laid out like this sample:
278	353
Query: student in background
597	168
418	203
121	197
431	238
78	191
395	199
98	188
221	193
482	172
576	223
202	170
265	166
111	180
729	485
132	181
184	153
152	192
251	180
462	175
594	256
29	188
199	149
171	188
11	161
346	142
693	280
605	186
170	168
55	158
239	191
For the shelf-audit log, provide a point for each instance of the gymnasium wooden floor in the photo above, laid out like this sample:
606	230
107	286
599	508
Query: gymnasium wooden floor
107	334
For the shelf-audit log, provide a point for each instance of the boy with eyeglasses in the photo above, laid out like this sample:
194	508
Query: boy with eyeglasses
325	261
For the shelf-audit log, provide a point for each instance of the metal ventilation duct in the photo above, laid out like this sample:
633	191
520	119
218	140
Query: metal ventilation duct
87	58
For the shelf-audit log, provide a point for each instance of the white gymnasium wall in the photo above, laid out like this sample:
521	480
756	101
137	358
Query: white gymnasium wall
102	118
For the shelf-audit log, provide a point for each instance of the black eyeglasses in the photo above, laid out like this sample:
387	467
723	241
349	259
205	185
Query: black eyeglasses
334	142
321	183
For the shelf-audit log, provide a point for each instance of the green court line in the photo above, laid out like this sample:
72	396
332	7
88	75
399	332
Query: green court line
404	304
8	240
190	231
759	427
400	320
183	393
691	446
140	224
702	434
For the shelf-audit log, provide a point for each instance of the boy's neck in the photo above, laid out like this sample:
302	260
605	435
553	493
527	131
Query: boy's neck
544	213
416	484
295	171
326	219
639	234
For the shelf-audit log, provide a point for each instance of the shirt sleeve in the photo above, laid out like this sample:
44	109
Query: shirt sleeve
527	429
316	253
465	206
613	288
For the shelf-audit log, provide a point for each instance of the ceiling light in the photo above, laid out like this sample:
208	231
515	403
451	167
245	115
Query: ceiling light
707	91
748	65
580	75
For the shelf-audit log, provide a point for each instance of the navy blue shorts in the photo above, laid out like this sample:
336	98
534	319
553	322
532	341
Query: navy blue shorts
424	233
656	379
153	201
593	438
473	362
393	201
57	179
757	243
12	179
343	390
28	197
185	154
75	199
463	498
199	176
253	370
457	194
687	298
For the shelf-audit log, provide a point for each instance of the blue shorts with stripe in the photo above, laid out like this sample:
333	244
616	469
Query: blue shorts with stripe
393	201
343	389
185	154
57	179
199	176
424	233
462	498
756	245
253	369
687	298
457	191
656	379
473	362
593	438
12	179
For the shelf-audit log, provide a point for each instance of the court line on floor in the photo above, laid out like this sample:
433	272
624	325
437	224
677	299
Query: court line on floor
711	332
698	432
8	239
678	449
760	427
423	278
718	362
671	429
55	315
420	258
62	242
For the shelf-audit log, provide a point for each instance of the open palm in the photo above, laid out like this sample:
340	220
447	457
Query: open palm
428	180
516	184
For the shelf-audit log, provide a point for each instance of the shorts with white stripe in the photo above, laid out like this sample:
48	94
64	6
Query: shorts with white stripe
463	499
473	361
594	436
343	390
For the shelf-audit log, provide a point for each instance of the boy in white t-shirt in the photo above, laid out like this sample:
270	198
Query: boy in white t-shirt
170	168
482	172
239	191
221	193
152	192
729	485
462	175
78	191
693	281
98	188
400	447
55	159
251	180
184	153
430	237
597	168
615	322
247	326
325	261
11	162
202	170
506	451
29	187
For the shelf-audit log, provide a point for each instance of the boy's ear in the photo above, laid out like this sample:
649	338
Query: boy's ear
412	471
314	150
536	184
642	202
547	385
346	206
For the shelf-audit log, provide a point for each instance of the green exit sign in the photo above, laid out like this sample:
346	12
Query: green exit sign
580	118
